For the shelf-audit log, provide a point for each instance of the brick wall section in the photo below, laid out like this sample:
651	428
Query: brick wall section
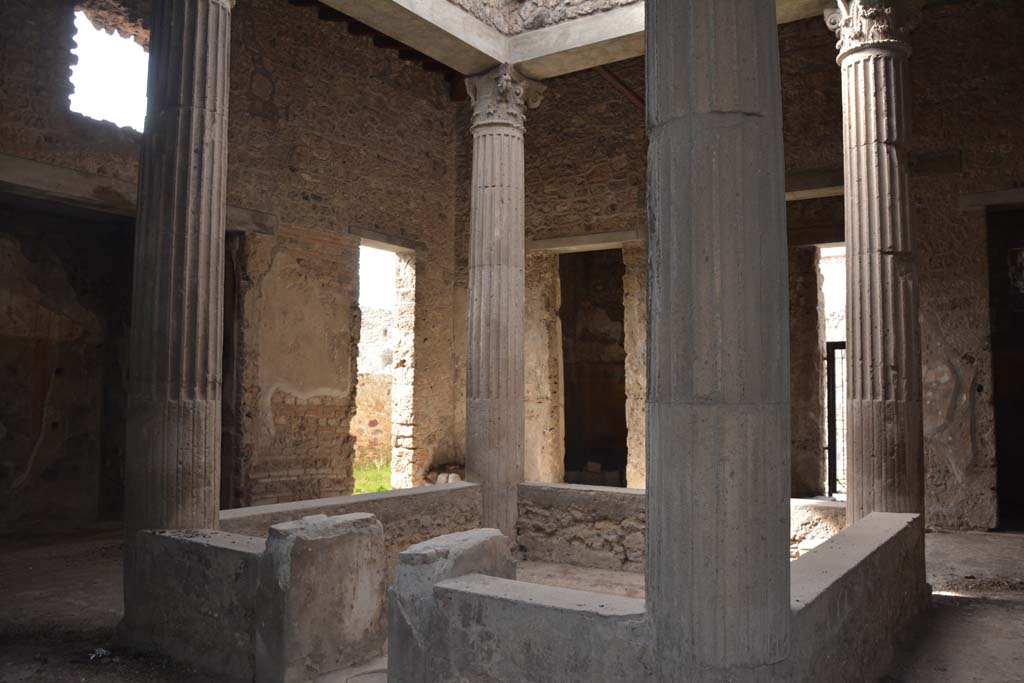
350	136
371	425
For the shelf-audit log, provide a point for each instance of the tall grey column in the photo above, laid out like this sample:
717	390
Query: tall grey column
885	454
718	378
172	468
495	371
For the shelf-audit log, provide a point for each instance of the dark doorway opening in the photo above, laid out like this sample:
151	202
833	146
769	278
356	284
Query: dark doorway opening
594	358
65	305
1006	280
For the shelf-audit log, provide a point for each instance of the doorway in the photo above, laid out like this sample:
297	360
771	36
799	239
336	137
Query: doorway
1006	282
594	361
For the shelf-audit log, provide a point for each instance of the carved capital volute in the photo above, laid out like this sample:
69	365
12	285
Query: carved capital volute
502	96
861	24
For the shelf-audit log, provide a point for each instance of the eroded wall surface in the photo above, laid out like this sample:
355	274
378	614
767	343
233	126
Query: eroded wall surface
327	132
585	157
64	313
965	73
634	287
544	443
806	356
348	136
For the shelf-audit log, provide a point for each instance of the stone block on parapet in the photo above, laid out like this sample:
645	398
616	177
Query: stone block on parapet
307	601
855	597
189	594
411	602
321	597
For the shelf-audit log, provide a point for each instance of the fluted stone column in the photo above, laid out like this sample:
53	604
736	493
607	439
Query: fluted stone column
495	371
885	456
718	382
172	467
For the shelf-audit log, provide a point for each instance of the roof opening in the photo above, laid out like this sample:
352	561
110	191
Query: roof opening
109	79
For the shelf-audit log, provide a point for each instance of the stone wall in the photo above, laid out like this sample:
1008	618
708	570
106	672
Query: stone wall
354	137
64	312
965	82
634	287
586	166
589	526
327	132
806	369
606	527
409	516
544	444
371	425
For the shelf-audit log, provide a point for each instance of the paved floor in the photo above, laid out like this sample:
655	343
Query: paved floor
60	602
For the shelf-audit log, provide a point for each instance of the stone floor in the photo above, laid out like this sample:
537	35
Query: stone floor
60	600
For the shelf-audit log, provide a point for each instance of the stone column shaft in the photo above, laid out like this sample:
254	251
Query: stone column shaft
172	468
718	349
885	452
495	369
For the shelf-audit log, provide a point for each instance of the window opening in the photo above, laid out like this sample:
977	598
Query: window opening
832	267
372	423
109	78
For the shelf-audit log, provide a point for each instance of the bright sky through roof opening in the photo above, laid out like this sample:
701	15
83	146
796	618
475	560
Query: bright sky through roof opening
110	77
376	278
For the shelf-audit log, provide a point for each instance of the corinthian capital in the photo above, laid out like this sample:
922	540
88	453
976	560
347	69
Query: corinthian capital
502	96
861	24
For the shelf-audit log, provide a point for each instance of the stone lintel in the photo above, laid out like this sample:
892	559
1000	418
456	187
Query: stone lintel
37	180
820	183
380	240
592	242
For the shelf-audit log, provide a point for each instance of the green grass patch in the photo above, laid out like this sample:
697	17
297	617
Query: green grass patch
372	477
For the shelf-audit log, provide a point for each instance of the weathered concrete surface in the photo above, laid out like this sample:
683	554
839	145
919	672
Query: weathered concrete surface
856	596
320	599
589	526
307	601
718	350
544	440
806	375
414	617
409	516
610	581
191	596
571	637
